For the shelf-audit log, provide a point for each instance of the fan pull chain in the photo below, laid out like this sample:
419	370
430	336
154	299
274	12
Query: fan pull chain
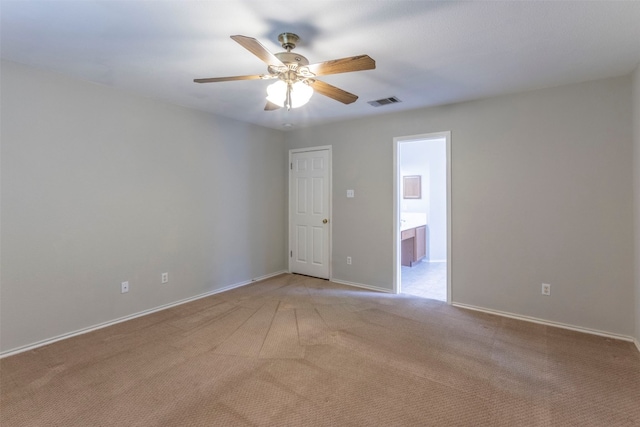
287	101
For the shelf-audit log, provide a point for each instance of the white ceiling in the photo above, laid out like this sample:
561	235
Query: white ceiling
427	52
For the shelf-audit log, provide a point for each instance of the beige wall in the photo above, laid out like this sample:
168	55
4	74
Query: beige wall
636	192
99	187
542	190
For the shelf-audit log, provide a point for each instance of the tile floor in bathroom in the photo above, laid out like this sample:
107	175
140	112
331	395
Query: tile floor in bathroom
426	279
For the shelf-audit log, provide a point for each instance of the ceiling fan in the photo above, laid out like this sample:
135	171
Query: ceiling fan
296	77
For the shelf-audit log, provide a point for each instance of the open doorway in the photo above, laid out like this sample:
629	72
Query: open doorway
422	243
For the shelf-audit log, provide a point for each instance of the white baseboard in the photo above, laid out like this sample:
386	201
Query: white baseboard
132	316
267	276
361	285
549	323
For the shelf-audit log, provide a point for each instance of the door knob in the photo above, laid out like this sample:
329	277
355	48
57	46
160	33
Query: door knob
324	221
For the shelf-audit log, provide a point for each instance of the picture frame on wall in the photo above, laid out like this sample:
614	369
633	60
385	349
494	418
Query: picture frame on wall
412	187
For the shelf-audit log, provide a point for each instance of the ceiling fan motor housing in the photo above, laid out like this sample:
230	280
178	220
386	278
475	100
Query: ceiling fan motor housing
294	62
290	58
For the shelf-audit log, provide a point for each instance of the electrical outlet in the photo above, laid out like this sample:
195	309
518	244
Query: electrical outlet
165	277
124	287
546	289
349	260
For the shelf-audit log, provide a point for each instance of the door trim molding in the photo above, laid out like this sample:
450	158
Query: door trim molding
330	167
396	205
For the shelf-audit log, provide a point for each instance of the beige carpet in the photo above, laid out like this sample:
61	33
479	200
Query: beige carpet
298	351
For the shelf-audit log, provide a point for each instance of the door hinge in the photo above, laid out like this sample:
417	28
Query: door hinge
291	254
291	167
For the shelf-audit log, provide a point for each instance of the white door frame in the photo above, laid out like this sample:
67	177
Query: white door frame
396	204
330	207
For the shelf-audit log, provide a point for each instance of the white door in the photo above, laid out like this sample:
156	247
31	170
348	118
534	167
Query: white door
309	213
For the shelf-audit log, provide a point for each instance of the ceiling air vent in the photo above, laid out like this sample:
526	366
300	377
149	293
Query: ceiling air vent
384	101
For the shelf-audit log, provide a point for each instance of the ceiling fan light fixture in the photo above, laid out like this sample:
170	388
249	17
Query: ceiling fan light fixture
298	94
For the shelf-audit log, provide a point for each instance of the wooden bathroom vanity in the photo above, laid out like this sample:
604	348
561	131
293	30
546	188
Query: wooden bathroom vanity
414	234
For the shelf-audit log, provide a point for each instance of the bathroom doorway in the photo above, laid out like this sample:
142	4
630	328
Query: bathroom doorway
422	194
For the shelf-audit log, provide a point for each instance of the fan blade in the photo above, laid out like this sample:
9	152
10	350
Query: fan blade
229	79
255	47
271	106
333	92
344	65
